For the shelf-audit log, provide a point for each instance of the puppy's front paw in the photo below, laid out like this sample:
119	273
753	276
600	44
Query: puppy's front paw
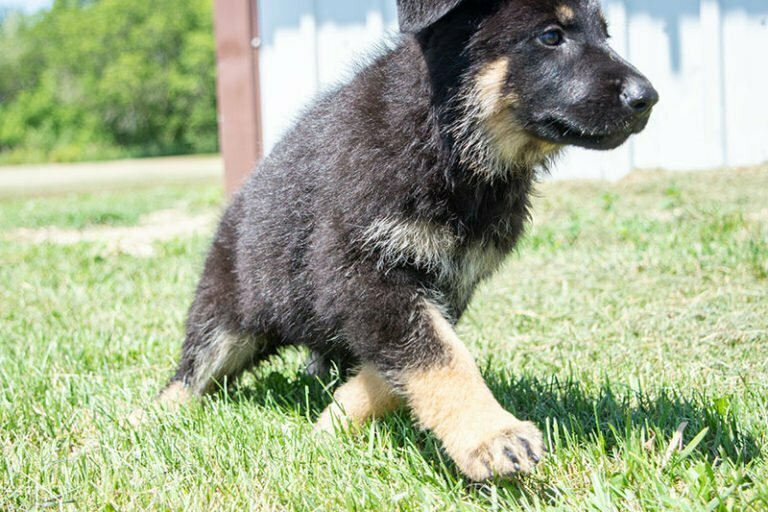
515	447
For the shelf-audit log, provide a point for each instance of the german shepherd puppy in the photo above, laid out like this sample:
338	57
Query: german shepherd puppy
365	232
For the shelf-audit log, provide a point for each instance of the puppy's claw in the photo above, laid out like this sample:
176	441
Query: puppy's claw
531	454
512	457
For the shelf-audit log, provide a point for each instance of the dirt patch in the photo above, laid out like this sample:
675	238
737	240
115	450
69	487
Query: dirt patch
139	240
758	215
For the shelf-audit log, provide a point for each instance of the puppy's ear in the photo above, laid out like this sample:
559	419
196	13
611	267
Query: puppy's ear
415	15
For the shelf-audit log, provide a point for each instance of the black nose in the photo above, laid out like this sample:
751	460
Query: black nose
639	96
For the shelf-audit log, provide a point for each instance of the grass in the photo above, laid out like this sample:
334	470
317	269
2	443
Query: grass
629	309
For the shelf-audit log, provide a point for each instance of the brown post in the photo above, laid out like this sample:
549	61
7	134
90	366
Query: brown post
239	103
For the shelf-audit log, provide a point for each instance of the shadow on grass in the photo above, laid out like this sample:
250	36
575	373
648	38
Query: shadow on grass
608	415
612	412
300	394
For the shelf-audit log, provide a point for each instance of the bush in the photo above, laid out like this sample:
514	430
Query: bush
108	77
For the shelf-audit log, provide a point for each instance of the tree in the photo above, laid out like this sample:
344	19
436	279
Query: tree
108	77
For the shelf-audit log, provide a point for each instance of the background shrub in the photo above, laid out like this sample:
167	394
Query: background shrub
108	78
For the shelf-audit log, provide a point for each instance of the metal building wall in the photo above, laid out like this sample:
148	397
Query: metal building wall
708	58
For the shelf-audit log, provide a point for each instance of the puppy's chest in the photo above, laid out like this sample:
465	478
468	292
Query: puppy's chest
480	250
458	253
471	264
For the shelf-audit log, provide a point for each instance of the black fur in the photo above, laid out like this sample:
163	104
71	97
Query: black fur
294	262
416	15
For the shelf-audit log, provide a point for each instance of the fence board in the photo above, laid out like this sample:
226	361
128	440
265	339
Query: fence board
705	56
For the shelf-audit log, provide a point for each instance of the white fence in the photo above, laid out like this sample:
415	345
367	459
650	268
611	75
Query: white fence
707	58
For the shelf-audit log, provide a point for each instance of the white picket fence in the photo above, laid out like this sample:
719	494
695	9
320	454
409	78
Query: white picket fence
708	59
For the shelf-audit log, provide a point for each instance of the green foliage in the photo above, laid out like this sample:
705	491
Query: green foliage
108	78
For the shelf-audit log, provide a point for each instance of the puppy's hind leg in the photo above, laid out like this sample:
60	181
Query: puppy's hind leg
210	357
217	348
366	395
213	357
214	353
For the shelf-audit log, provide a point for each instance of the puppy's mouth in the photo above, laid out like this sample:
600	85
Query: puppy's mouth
560	130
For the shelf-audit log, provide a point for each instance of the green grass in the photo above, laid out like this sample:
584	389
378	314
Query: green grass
629	309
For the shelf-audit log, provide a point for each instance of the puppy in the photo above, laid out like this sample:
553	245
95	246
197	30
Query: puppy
365	232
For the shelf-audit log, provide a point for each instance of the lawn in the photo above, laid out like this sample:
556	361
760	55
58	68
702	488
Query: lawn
631	311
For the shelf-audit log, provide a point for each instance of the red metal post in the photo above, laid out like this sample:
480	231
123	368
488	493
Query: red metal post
239	103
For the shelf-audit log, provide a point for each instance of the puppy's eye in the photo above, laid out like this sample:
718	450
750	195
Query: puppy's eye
552	37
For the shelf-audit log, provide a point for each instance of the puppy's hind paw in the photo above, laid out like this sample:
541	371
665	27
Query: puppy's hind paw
172	397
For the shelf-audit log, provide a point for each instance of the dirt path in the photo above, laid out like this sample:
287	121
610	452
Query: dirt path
138	240
57	178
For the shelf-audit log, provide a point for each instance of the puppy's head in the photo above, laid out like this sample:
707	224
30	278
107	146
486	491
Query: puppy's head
542	68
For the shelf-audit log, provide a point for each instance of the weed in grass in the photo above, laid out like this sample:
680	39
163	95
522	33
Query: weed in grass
673	197
757	255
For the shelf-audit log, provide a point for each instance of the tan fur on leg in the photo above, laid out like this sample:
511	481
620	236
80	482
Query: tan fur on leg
174	394
454	402
364	396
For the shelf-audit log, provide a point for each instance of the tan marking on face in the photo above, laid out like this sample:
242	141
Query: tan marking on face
493	107
514	144
507	135
454	402
364	396
565	14
489	88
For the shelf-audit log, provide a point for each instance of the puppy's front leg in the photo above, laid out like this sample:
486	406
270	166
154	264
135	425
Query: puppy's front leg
450	398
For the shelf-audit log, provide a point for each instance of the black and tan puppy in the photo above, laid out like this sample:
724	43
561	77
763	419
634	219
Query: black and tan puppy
365	232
